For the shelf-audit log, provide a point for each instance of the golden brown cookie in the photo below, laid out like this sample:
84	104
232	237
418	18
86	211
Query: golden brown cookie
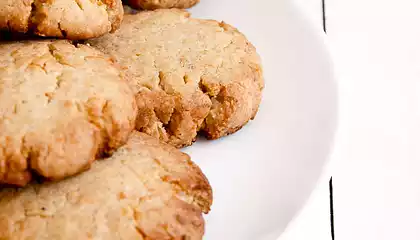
144	191
71	19
190	75
156	4
60	106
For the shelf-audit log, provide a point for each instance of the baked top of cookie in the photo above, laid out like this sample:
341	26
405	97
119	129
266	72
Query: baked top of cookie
71	19
61	106
156	4
146	190
190	75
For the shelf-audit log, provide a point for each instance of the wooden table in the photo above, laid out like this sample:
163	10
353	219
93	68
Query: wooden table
376	160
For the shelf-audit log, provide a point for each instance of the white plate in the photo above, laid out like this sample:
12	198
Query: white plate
263	174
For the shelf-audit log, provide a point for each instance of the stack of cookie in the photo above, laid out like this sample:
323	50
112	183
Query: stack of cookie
126	90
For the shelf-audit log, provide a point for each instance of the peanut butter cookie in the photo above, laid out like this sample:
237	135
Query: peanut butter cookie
61	106
144	191
71	19
156	4
189	75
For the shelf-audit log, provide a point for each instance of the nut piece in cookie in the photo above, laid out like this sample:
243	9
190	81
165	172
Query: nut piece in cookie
144	191
190	75
157	4
61	106
71	19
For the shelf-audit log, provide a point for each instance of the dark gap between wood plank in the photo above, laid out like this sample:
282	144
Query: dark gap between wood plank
324	20
331	208
324	25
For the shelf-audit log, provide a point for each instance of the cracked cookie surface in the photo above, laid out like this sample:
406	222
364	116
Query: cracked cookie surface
190	75
157	4
70	19
61	106
146	190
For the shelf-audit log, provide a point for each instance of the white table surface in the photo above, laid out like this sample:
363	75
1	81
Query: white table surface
376	160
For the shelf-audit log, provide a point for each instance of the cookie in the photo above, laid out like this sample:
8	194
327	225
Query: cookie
144	191
156	4
61	106
190	75
71	19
